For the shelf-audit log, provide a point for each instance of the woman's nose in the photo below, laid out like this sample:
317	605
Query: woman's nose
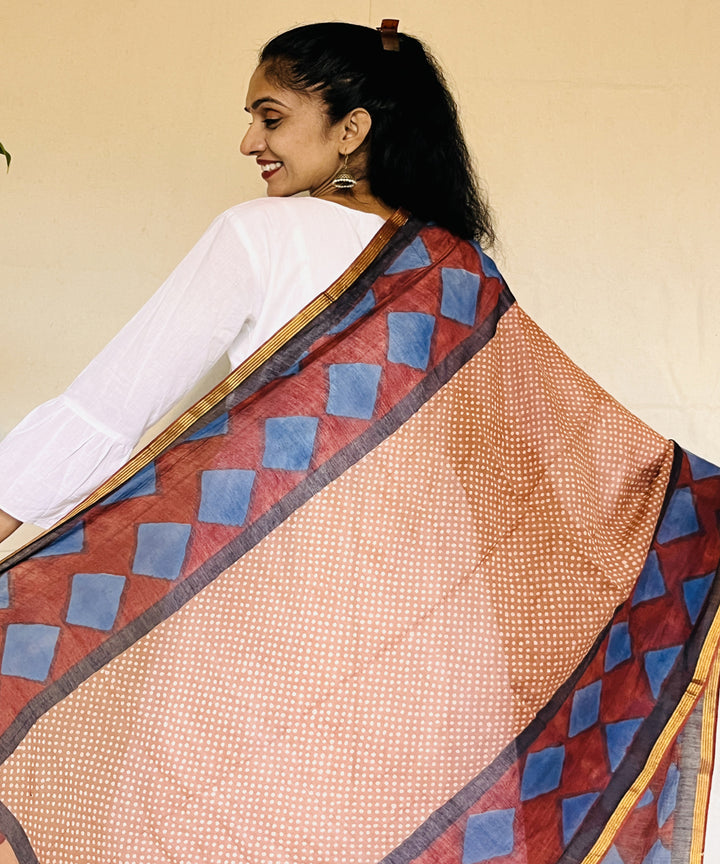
251	143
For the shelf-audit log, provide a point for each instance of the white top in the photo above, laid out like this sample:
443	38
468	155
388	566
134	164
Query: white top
256	266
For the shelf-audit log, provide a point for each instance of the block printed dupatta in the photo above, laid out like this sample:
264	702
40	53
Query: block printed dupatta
407	587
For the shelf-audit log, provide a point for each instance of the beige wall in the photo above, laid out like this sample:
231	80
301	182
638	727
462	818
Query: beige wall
596	126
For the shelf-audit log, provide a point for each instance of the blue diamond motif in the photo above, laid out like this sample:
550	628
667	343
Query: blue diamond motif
160	549
574	810
95	600
657	855
646	799
618	737
218	426
667	799
489	268
612	857
66	544
29	650
143	483
542	772
411	258
488	835
650	583
4	590
680	518
289	442
225	496
700	468
585	708
367	304
658	665
410	338
460	290
353	389
619	648
695	592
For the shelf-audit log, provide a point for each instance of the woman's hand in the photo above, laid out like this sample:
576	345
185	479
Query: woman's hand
7	525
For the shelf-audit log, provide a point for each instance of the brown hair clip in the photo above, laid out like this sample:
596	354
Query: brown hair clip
389	34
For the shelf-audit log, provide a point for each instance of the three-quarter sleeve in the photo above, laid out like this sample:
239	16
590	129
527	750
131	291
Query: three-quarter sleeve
256	266
66	447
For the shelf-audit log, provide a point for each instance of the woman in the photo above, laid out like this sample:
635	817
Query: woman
414	129
410	515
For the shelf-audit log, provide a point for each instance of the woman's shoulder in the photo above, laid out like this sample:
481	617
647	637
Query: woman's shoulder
300	211
309	226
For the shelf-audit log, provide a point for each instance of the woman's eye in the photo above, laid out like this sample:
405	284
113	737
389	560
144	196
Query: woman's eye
271	122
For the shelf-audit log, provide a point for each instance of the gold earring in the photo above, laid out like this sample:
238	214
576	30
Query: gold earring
344	179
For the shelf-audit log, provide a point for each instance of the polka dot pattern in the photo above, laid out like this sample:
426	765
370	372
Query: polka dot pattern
328	692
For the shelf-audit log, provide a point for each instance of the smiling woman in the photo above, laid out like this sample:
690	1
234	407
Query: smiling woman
311	104
390	591
299	148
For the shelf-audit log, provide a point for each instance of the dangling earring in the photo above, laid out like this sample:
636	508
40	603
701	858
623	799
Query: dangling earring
344	179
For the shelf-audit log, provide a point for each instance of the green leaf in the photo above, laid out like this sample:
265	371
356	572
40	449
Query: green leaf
8	157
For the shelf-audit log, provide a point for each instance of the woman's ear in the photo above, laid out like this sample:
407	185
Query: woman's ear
355	128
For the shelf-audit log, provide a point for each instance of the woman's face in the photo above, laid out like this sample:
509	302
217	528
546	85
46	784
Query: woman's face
291	138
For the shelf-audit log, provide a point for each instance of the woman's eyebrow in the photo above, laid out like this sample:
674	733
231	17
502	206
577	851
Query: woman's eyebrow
256	104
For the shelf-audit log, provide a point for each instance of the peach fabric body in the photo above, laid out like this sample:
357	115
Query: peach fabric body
328	692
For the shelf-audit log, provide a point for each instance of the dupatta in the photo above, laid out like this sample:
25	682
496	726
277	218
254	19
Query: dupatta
407	586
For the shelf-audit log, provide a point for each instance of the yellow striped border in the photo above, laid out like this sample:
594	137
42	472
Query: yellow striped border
707	758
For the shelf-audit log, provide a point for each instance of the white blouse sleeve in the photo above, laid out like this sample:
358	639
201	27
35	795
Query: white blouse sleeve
66	447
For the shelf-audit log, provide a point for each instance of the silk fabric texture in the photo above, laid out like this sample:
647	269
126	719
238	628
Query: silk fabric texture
408	586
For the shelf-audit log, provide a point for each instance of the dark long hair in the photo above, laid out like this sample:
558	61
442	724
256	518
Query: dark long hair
417	157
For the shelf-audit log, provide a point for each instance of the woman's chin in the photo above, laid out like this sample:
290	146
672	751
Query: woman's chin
278	190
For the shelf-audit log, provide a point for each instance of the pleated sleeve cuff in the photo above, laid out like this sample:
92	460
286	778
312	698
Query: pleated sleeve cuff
55	458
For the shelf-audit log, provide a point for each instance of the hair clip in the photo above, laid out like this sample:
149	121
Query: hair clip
389	34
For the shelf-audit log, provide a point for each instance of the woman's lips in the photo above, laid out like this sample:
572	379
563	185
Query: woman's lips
269	168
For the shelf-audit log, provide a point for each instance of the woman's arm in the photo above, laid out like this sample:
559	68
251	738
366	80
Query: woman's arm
7	525
68	446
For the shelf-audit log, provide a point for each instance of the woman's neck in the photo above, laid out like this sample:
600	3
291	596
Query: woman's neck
358	198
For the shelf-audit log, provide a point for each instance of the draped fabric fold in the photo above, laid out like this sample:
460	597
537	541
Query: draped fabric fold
407	587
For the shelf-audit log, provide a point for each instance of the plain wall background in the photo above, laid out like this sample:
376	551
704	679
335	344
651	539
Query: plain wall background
595	125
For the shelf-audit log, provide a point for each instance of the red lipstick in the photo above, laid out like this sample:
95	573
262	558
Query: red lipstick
273	167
